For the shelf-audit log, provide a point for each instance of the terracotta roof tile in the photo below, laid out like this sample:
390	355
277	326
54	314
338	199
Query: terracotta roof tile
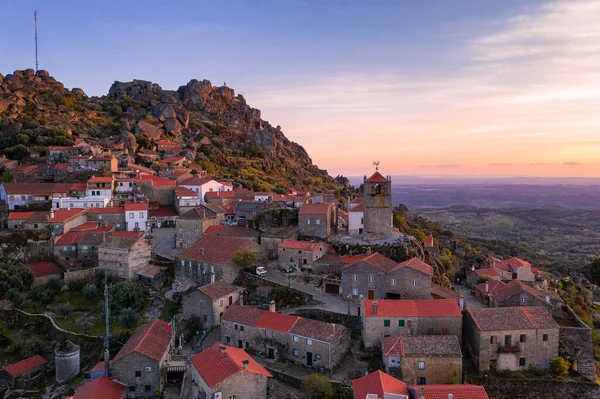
101	179
119	209
143	206
350	259
492	285
20	215
163	211
152	339
377	178
488	271
514	287
274	321
422	345
458	391
216	365
376	260
215	249
196	181
428	242
443	292
242	314
62	215
101	388
416	264
319	330
301	245
416	307
378	383
232	231
218	289
185	192
320	208
43	269
512	318
25	365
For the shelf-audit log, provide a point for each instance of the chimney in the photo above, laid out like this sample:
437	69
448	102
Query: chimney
461	303
245	363
241	300
375	305
369	251
547	297
201	251
450	396
223	348
265	205
272	306
422	393
487	287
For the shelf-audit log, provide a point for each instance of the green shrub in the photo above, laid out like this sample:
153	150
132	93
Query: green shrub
560	366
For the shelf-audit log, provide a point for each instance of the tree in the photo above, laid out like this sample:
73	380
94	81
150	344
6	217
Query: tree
15	296
128	294
64	309
244	258
90	292
316	386
192	325
593	272
128	318
560	366
13	275
31	347
418	234
86	321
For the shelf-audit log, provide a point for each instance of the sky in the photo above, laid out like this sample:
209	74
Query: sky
437	87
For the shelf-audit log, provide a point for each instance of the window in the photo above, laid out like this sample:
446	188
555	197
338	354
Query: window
299	252
296	352
414	283
386	335
523	338
523	299
291	259
318	221
241	328
264	333
295	338
493	339
393	281
355	277
228	339
272	334
221	302
232	397
317	356
386	323
235	326
308	341
507	340
205	318
141	215
307	221
130	215
371	279
545	337
400	323
354	291
421	381
521	362
421	365
430	331
148	388
305	261
131	388
138	373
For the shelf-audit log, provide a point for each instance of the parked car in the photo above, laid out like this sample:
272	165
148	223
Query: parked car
261	271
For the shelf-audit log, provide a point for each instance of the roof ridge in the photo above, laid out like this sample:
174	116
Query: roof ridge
529	317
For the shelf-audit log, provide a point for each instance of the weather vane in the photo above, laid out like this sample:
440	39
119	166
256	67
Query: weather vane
376	164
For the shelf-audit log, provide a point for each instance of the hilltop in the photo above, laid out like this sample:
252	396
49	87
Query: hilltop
216	128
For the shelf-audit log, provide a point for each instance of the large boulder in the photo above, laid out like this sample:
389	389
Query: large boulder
4	104
263	139
13	82
42	73
28	73
182	115
195	93
227	92
1	78
77	91
129	141
173	126
164	111
149	130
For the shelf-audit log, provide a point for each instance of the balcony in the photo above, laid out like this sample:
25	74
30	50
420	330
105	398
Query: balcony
509	348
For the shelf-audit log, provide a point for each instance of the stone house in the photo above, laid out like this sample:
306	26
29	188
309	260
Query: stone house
211	259
299	255
240	232
274	236
124	253
62	220
514	269
423	359
27	220
330	263
378	277
110	216
226	372
204	185
108	163
140	362
484	291
192	225
101	387
475	276
385	318
209	302
247	211
155	189
219	197
379	385
23	373
511	338
305	341
316	220
451	391
161	216
79	244
44	272
516	293
23	171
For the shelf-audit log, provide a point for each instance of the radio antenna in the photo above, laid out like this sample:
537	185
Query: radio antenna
36	41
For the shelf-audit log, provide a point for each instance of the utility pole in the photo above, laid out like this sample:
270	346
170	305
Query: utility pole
36	41
107	317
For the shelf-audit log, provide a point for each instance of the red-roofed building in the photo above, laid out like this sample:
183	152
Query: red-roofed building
101	388
378	277
309	342
186	199
202	186
108	163
475	276
316	220
380	384
44	271
485	290
136	216
378	206
228	371
445	391
28	220
169	147
383	318
62	220
219	197
140	361
299	255
513	269
22	171
175	161
18	374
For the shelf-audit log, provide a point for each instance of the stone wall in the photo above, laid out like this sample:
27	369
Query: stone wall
577	346
79	275
536	389
308	298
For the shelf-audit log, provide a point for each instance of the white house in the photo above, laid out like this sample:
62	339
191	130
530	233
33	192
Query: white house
136	216
356	218
204	185
124	186
187	197
98	194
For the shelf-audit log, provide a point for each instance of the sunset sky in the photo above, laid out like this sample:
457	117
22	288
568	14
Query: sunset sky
447	87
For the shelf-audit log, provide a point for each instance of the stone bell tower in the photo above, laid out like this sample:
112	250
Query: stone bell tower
378	217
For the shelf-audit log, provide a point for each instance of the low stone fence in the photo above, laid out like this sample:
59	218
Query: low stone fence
308	298
350	322
81	275
296	381
576	345
536	389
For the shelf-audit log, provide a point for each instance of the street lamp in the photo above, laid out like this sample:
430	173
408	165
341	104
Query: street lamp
289	276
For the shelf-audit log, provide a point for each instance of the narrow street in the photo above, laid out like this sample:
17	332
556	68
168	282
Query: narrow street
470	300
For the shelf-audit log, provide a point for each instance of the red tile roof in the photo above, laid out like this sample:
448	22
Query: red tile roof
358	208
215	249
43	269
274	321
376	260
421	345
101	388
516	262
101	179
216	365
214	230
350	259
320	208
173	159
155	181
378	383
220	194
488	271
142	206
515	287
119	209
416	264
20	215
25	365
100	366
377	178
24	168
458	391
128	234
428	242
512	318
152	339
197	181
62	215
165	142
417	307
242	314
163	211
74	236
301	245
185	192
86	226
492	285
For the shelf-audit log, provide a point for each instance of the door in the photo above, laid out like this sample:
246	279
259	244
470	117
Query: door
240	344
271	353
371	294
309	359
332	289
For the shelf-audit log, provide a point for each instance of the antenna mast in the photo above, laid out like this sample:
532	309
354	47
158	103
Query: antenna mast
36	41
107	316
